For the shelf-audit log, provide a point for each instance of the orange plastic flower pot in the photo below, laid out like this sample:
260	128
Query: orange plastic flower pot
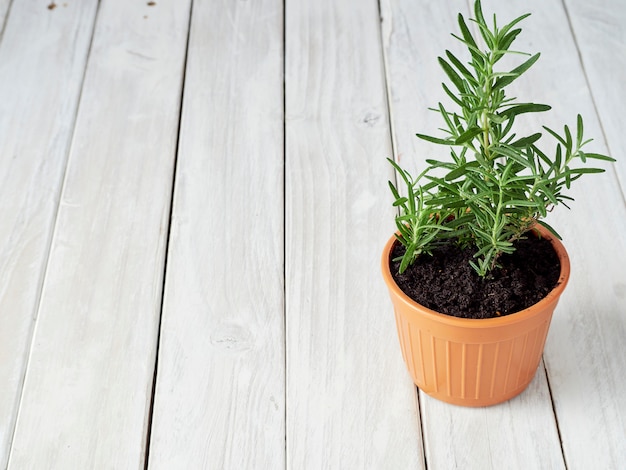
473	362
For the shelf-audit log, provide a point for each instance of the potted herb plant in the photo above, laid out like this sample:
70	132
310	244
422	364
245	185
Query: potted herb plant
474	271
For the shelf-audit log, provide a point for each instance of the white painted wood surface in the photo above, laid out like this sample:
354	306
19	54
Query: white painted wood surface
599	27
220	395
4	9
521	432
277	344
88	386
350	403
42	61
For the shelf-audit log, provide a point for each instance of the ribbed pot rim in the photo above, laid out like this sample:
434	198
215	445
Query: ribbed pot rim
509	319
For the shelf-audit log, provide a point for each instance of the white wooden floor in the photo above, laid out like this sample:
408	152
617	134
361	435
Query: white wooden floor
193	202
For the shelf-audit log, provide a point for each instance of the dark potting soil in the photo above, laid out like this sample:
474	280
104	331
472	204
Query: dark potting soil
446	283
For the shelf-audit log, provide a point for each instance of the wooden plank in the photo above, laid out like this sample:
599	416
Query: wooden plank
584	353
88	385
42	61
219	399
350	403
522	432
598	28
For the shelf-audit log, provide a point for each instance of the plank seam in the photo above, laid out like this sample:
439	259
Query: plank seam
386	78
284	19
593	99
59	196
420	410
6	20
556	418
167	246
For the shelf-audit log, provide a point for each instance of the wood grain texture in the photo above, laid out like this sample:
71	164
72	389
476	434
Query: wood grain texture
598	28
42	62
349	399
89	380
220	398
584	352
521	432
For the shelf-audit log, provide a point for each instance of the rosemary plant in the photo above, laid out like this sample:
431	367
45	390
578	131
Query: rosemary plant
497	184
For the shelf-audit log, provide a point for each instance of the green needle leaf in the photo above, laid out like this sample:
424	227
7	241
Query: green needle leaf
598	156
550	229
434	140
506	28
469	41
579	131
525	141
526	108
469	134
452	75
461	68
516	72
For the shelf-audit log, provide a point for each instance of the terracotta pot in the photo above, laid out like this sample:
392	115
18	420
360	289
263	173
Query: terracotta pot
473	362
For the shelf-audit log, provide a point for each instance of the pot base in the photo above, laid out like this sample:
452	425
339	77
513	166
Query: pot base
478	403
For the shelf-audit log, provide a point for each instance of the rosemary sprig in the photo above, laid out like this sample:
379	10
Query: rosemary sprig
497	184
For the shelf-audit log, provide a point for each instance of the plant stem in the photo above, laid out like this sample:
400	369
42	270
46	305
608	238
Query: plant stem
496	223
487	108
